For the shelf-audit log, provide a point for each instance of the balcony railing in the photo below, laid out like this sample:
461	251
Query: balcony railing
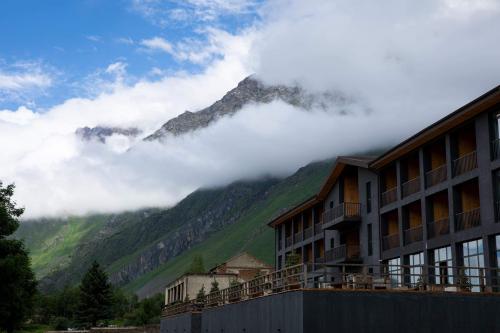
390	241
318	228
346	210
495	149
389	196
288	241
343	253
319	260
468	219
297	237
465	163
308	232
410	187
436	176
413	235
438	228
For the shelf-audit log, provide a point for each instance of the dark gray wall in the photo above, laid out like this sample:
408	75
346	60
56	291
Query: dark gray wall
327	311
183	323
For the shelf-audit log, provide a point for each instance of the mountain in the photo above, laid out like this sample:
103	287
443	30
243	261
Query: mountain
248	91
101	133
145	249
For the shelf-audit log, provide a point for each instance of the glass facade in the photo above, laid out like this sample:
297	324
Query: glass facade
394	271
443	272
416	268
473	257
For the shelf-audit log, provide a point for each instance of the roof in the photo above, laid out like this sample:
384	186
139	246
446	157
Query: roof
340	163
437	129
263	264
197	274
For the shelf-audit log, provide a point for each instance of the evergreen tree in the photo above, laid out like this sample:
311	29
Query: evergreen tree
17	281
96	297
200	297
215	286
197	266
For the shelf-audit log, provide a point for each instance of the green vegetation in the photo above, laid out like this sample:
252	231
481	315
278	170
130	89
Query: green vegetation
17	280
235	216
197	265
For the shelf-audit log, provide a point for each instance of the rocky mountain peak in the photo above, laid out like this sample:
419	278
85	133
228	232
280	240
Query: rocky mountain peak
100	133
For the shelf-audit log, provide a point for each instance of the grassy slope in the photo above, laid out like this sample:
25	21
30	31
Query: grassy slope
250	233
52	244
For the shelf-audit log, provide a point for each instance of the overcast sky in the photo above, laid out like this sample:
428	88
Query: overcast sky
403	65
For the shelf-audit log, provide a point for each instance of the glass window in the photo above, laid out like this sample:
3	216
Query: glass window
368	197
394	271
443	272
472	274
416	268
370	239
497	241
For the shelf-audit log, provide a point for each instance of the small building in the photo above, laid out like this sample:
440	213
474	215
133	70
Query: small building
242	267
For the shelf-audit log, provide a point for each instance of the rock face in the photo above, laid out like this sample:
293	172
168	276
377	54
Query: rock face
248	91
100	133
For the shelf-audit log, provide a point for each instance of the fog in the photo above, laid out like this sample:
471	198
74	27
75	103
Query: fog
404	64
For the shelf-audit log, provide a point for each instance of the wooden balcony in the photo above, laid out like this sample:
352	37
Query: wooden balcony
413	235
390	241
438	228
318	228
343	253
465	163
308	232
341	216
389	196
410	187
297	237
436	176
468	219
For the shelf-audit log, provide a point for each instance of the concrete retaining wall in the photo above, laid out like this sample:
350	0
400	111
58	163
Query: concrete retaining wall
183	323
328	311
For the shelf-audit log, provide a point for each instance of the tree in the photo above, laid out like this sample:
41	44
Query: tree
200	297
96	297
17	281
197	266
292	259
215	286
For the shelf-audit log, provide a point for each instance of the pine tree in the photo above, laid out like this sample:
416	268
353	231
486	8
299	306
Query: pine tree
215	286
17	281
96	297
197	266
200	297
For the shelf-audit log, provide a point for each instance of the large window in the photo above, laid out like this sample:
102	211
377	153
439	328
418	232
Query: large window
394	271
368	197
443	272
370	239
416	268
473	270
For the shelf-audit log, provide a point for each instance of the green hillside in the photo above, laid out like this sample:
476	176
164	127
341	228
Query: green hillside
143	250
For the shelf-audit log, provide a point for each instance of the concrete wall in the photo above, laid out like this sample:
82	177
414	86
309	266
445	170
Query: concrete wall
183	323
327	311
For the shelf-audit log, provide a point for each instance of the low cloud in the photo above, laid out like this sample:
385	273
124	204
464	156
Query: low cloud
408	63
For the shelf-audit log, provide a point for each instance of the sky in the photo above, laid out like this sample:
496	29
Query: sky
138	63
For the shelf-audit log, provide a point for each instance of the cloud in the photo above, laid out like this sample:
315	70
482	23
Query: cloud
94	38
157	44
407	62
172	12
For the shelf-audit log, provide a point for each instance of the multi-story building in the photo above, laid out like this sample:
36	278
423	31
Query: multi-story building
432	201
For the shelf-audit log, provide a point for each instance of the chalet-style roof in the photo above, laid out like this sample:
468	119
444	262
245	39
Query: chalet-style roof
340	163
241	254
456	118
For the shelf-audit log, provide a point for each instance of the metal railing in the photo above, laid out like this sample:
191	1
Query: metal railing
318	228
317	275
413	235
343	252
410	187
438	228
389	196
346	210
288	241
436	176
308	232
465	163
468	219
297	237
390	241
